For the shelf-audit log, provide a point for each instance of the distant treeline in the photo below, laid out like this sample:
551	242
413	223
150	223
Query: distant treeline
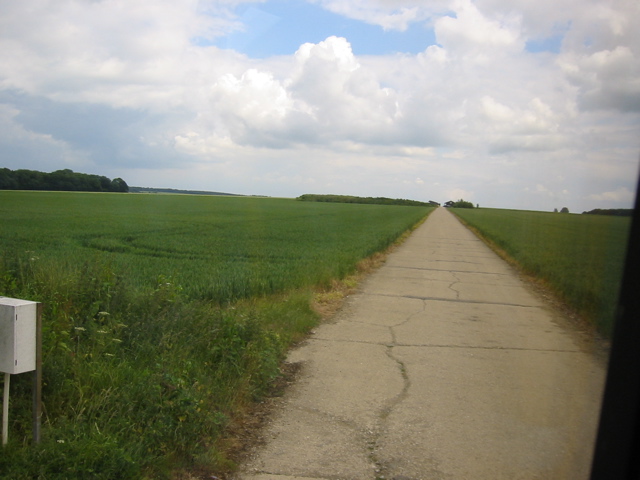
60	180
616	212
309	197
176	190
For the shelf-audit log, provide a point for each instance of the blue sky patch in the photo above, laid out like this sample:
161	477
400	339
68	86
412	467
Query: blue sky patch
279	27
550	44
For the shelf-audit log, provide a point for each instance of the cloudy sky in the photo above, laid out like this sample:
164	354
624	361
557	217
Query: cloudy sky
527	104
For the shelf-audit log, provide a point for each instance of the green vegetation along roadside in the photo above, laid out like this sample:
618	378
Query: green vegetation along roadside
580	257
310	197
164	317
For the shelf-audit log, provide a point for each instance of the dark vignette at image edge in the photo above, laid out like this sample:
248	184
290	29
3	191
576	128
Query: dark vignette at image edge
617	450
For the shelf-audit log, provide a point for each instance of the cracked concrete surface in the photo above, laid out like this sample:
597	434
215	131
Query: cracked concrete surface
443	366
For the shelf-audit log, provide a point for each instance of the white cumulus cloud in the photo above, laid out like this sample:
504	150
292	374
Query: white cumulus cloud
621	195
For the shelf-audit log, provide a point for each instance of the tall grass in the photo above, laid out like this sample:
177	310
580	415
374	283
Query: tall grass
581	257
164	315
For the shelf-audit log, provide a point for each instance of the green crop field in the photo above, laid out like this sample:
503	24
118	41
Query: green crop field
216	248
581	257
164	315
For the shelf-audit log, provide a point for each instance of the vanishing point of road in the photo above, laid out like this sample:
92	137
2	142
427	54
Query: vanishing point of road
444	365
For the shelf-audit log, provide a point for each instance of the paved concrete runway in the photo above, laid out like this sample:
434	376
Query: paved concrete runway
443	366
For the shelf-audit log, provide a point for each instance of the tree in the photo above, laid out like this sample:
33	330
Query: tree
462	204
7	180
105	184
29	180
564	210
119	185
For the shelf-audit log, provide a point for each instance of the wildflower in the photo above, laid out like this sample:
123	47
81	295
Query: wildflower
103	314
102	331
60	441
80	329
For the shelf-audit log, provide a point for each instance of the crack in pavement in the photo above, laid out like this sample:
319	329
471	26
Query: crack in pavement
485	347
370	434
381	469
287	476
435	345
361	342
456	261
457	280
455	300
424	269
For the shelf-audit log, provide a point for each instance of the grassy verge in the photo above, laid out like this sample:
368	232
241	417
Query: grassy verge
165	316
146	387
579	257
